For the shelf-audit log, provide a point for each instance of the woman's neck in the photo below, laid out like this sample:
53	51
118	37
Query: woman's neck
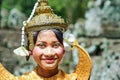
46	73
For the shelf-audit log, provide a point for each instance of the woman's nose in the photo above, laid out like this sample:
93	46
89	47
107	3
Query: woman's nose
49	51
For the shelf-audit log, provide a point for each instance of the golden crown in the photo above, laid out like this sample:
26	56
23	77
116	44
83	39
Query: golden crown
42	17
45	18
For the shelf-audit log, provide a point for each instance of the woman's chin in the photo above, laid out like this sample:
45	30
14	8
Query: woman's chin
50	66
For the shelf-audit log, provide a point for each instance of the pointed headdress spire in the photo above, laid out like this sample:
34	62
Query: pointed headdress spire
44	18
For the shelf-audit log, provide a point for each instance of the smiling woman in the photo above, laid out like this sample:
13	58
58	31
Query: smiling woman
47	53
44	32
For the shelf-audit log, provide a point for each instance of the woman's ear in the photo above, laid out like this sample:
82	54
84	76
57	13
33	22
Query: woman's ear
27	57
64	51
30	52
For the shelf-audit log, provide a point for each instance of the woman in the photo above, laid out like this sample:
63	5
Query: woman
44	34
48	53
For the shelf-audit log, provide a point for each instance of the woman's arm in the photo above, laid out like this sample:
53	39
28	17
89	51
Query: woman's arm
84	66
4	74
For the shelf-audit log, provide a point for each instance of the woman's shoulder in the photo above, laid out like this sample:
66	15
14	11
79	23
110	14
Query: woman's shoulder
5	74
71	76
29	75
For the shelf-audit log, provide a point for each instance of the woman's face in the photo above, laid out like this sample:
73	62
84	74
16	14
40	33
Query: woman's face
48	51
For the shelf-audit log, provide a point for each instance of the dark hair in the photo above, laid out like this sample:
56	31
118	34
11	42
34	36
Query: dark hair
57	32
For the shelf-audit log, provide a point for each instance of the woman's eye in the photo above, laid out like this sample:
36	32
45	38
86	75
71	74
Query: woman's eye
56	45
42	45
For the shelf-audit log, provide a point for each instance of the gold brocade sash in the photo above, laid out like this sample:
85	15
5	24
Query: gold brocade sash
5	75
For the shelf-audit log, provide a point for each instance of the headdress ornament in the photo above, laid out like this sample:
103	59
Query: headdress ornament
42	17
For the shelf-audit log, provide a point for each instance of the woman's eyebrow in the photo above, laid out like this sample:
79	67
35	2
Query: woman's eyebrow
41	42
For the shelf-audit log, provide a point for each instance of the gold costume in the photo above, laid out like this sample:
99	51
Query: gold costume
44	18
34	76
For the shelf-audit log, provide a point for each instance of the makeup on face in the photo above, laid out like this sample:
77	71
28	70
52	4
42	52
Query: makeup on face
48	51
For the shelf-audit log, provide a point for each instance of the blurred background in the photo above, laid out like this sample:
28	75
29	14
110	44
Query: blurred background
95	24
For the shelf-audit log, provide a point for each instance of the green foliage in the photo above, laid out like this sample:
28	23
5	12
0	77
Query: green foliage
23	5
68	9
8	4
27	6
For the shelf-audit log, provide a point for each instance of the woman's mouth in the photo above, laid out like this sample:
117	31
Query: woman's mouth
49	60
